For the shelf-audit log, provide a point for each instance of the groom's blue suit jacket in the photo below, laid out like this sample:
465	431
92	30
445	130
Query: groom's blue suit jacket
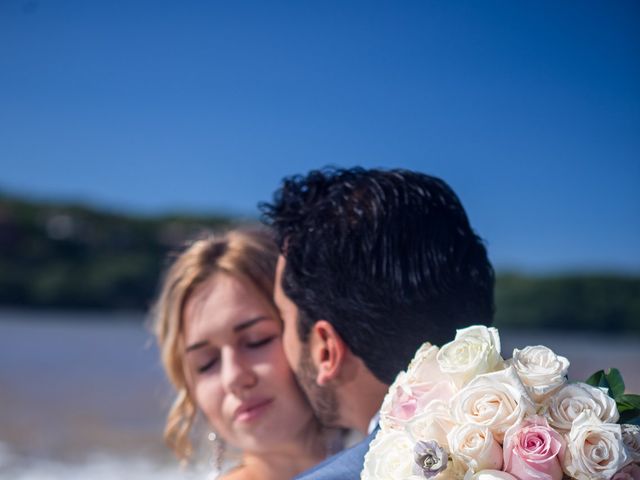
345	465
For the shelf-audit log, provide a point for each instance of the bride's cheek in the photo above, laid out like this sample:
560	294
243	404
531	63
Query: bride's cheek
209	398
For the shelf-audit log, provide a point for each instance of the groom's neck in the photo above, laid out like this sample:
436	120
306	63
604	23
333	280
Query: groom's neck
360	397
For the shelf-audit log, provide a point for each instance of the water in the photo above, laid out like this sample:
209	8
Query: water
81	396
84	395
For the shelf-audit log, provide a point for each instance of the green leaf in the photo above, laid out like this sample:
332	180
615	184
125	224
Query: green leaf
630	417
630	400
624	407
595	379
616	383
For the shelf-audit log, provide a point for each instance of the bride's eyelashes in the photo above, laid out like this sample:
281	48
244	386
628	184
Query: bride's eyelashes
208	365
251	345
262	342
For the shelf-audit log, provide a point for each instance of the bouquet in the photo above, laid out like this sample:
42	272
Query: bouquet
463	412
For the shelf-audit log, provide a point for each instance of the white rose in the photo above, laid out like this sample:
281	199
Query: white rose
475	446
474	351
595	450
424	366
540	370
490	475
631	439
432	424
390	457
494	400
456	469
564	406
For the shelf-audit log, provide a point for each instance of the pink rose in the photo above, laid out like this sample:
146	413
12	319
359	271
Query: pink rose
532	449
630	472
404	403
409	398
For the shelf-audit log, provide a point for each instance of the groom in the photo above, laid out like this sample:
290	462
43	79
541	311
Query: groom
373	263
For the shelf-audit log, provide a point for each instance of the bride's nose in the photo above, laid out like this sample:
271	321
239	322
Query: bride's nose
237	373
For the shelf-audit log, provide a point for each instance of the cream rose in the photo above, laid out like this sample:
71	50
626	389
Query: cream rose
432	424
476	447
490	475
564	406
541	371
595	450
474	351
494	400
424	366
390	457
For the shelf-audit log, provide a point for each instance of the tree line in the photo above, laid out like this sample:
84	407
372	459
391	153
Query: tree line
70	256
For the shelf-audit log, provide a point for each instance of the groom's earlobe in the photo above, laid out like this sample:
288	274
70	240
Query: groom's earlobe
327	351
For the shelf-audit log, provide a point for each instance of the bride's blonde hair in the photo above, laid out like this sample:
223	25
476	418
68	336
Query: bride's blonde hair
249	255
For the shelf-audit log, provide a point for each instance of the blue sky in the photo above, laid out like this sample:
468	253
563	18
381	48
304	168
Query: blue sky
530	110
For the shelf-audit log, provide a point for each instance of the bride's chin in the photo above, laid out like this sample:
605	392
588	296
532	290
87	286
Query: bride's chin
281	434
268	441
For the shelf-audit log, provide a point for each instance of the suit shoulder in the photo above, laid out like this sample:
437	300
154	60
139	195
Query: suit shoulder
343	466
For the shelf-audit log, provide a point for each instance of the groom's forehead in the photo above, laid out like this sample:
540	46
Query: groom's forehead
282	301
280	266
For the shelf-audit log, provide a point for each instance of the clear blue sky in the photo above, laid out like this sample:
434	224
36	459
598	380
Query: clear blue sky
530	110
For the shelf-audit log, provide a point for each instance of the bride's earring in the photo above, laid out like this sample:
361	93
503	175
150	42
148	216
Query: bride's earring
217	452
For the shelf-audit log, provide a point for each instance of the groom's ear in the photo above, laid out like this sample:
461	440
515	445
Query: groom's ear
328	351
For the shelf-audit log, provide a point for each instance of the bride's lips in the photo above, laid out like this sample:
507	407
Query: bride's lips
251	410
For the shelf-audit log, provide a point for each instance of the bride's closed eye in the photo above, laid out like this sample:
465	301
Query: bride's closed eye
262	342
208	365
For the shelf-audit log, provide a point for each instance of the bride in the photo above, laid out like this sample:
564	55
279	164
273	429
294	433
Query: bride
219	335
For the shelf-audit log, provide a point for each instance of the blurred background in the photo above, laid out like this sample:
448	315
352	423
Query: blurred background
128	127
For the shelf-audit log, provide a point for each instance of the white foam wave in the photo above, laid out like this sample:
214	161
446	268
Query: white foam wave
96	467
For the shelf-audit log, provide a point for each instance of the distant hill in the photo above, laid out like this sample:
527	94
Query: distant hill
68	256
72	256
606	302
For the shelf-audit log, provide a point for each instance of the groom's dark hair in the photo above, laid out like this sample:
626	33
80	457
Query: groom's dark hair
388	257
